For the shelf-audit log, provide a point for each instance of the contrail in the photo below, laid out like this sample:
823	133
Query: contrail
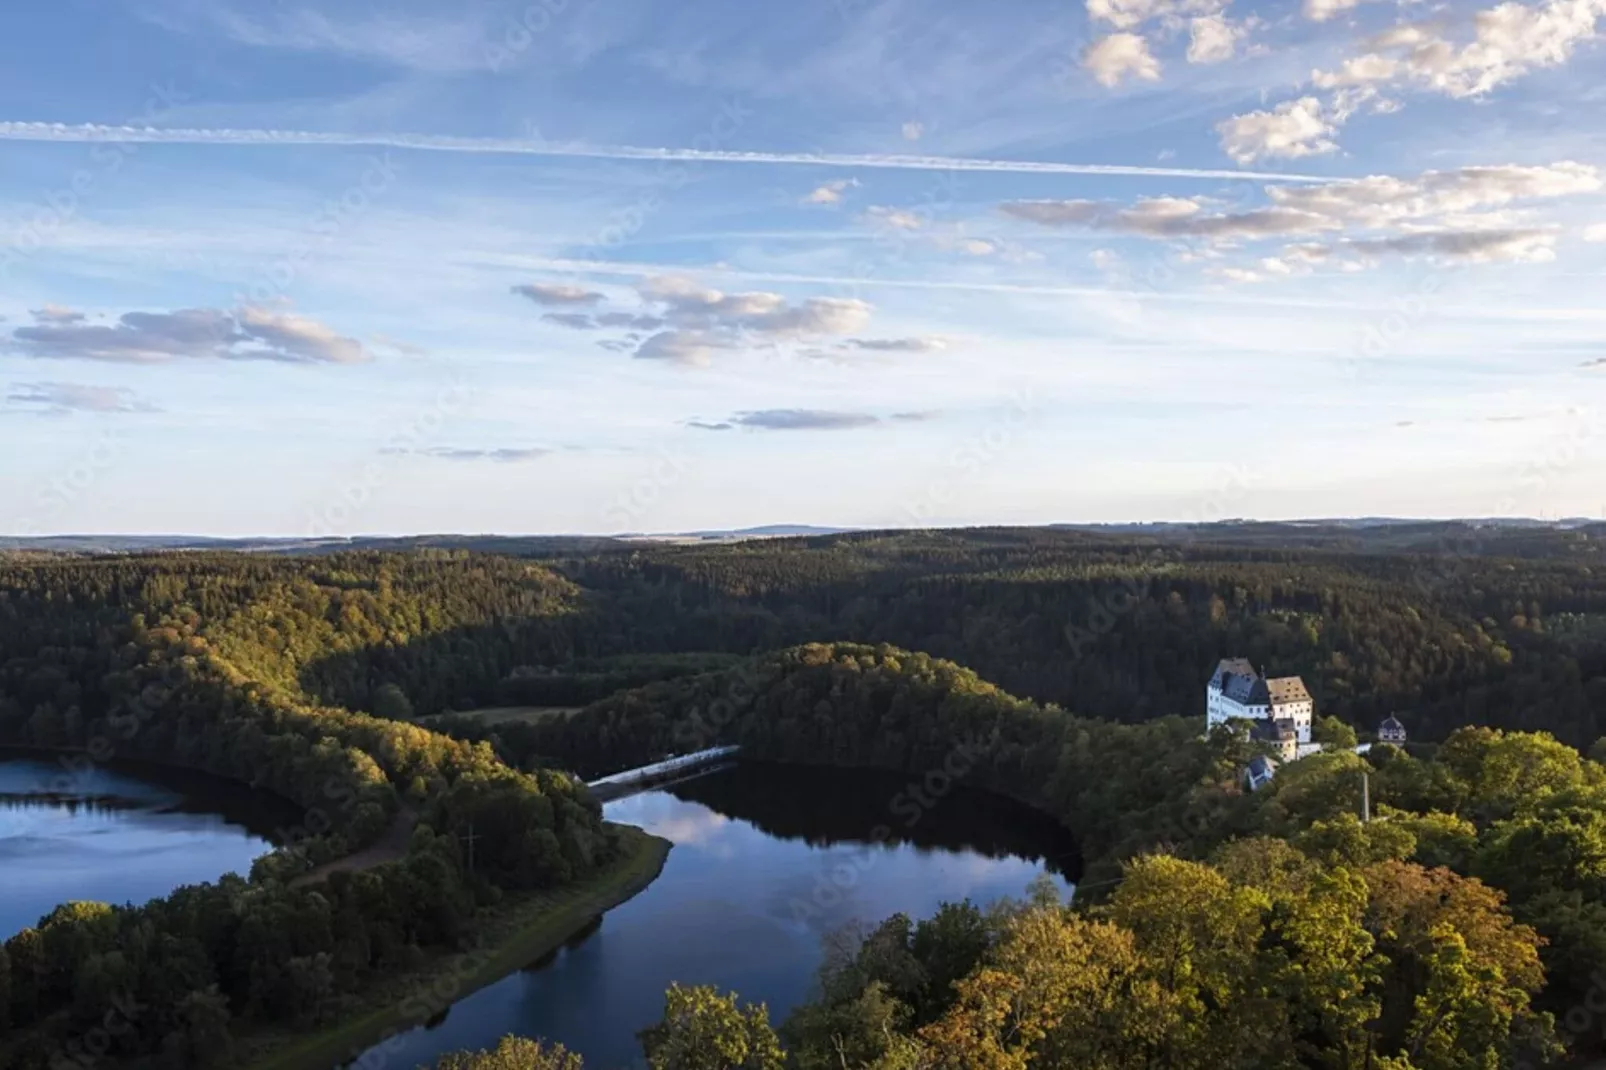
89	132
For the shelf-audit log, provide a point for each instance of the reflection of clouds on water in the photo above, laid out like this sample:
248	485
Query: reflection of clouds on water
683	824
121	841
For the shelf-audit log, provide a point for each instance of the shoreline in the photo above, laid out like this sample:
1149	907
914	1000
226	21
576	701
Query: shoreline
516	935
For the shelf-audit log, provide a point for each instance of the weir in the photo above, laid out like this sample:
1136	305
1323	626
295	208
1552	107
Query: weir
631	781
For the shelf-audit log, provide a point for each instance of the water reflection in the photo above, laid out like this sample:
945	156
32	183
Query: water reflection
123	835
766	860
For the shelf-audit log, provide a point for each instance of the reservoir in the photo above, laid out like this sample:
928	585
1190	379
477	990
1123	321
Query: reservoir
73	830
768	860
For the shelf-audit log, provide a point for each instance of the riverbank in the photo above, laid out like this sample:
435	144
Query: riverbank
511	936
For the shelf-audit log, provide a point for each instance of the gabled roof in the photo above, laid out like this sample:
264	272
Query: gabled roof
1261	769
1279	731
1245	689
1287	689
1230	667
1391	723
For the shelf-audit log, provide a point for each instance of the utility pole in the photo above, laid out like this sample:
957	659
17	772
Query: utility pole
469	839
1366	797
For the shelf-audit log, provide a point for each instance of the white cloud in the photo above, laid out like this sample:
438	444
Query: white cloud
1469	215
60	398
1172	217
286	336
896	218
694	348
58	314
248	333
804	420
1533	245
1214	38
1381	200
1322	10
1112	58
94	133
979	246
501	455
1129	14
1294	128
1506	42
557	294
830	192
1595	233
1366	69
898	345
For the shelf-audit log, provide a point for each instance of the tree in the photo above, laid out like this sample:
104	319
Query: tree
703	1030
1198	937
392	703
1448	939
513	1053
1345	841
1441	839
1334	733
1059	992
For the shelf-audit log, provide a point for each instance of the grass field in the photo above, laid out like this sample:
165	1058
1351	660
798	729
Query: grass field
505	714
512	936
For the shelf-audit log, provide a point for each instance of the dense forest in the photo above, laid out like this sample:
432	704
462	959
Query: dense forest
1463	926
1063	668
194	662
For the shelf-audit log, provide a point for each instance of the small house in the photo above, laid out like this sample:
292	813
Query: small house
1391	730
1259	772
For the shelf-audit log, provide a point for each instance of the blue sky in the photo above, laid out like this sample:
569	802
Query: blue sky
307	267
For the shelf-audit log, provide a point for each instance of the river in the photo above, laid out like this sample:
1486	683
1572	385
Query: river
71	830
767	861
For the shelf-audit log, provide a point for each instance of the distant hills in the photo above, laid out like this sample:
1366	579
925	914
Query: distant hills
1502	535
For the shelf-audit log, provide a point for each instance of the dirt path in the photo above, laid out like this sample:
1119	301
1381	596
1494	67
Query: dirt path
388	848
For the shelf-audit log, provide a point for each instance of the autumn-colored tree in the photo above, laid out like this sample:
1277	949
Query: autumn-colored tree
704	1030
513	1053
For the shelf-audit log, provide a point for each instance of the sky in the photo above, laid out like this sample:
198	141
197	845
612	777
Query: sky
307	267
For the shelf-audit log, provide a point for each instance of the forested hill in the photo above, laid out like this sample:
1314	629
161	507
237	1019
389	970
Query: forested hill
1266	929
1123	628
198	662
1128	629
1065	668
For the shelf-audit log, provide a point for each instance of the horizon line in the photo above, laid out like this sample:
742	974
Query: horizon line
252	137
1378	519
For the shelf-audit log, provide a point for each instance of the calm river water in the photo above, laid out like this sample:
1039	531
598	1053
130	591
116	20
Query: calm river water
124	835
767	860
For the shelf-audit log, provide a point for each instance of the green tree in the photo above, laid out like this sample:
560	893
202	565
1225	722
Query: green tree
1345	841
1332	732
392	703
703	1030
1061	991
513	1053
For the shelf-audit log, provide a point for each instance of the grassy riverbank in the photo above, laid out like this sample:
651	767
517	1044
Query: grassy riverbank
511	936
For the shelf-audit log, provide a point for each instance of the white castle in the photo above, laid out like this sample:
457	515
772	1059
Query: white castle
1280	708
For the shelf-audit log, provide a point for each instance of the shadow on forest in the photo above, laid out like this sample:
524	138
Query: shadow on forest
1121	631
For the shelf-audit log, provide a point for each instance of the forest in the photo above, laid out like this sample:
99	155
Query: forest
1462	927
